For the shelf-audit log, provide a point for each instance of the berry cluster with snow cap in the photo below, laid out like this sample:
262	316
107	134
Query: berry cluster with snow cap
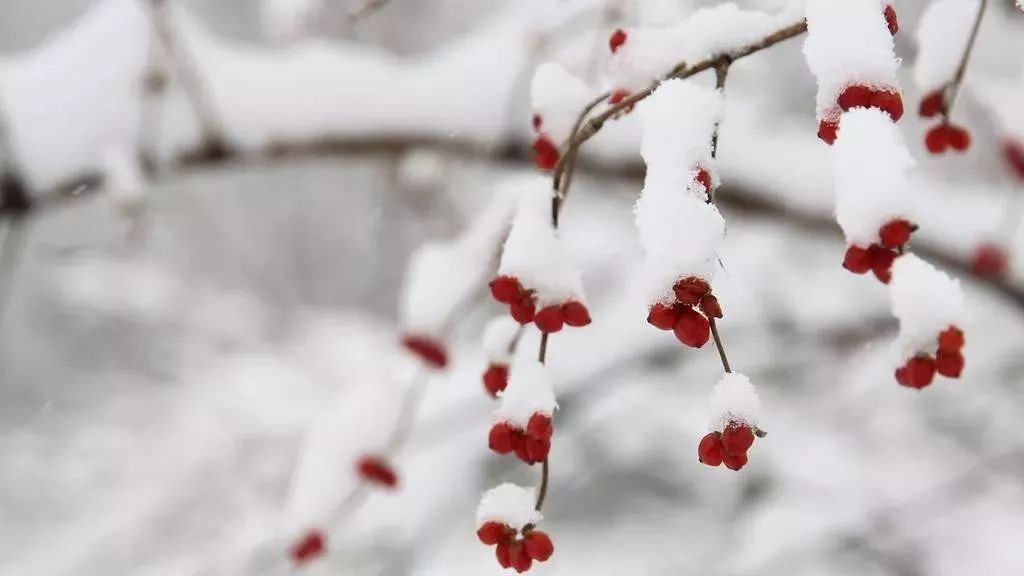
536	278
522	423
870	166
556	98
930	309
679	230
505	518
735	412
499	339
849	48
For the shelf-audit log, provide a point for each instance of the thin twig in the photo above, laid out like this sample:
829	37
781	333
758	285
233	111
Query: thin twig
954	86
367	9
721	74
543	492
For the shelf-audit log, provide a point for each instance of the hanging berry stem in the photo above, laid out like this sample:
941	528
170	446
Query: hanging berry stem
721	73
954	86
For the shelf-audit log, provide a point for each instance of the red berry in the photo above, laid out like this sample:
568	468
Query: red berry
518	557
917	373
538	546
735	461
931	104
540	426
709	451
524	310
881	262
537	122
537	449
989	261
959	138
951	340
889	102
828	131
692	329
503	438
891	21
857	260
502	553
617	97
937	140
704	178
377	471
575	314
550	319
429	350
618	38
495	379
308	548
710	306
896	233
505	289
949	364
545	154
737	438
855	96
492	533
690	290
522	450
1013	152
662	317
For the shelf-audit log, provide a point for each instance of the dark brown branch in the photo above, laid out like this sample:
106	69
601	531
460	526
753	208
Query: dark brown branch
543	492
953	89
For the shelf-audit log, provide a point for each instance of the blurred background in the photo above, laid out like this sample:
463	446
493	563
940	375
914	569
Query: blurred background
199	307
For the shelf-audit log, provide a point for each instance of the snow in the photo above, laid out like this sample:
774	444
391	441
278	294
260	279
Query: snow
123	178
534	252
734	399
508	504
529	392
926	301
848	43
287	20
942	36
1002	98
558	97
499	335
870	167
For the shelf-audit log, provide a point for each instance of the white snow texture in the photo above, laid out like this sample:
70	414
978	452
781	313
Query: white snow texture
734	400
557	96
941	38
498	337
529	392
926	301
508	504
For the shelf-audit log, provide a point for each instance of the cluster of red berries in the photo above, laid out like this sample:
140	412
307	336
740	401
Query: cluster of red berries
429	350
728	447
878	258
523	308
945	135
515	552
495	379
990	261
376	470
691	327
545	153
948	361
531	445
859	96
308	548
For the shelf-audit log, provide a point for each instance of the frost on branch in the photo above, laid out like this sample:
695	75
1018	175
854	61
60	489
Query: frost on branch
930	308
536	278
849	48
679	230
735	410
556	98
498	340
870	166
523	420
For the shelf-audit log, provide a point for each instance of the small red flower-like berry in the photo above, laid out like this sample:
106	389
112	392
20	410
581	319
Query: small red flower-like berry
537	122
881	262
890	19
855	96
540	427
506	289
429	350
896	233
311	546
737	438
1013	153
710	306
704	178
617	97
617	39
857	260
937	140
889	102
537	450
827	131
545	154
949	364
502	553
524	310
575	314
377	471
495	379
735	461
917	373
931	104
951	340
549	320
959	138
690	290
503	438
538	546
492	533
518	557
691	328
709	451
990	261
662	316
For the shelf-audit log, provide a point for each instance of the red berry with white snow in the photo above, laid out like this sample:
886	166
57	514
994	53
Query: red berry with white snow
495	379
617	39
376	470
692	329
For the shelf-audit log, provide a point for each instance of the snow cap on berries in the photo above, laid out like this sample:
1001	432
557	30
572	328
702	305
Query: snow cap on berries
534	253
848	43
529	392
734	400
557	97
498	337
926	301
510	505
870	167
942	37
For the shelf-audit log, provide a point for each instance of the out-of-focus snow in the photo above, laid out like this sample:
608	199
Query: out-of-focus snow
942	36
288	20
557	97
498	337
734	400
926	301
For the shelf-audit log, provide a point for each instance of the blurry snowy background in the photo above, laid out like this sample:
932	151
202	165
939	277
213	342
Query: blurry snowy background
192	358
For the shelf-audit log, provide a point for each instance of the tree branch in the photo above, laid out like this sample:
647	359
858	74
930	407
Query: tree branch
953	89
